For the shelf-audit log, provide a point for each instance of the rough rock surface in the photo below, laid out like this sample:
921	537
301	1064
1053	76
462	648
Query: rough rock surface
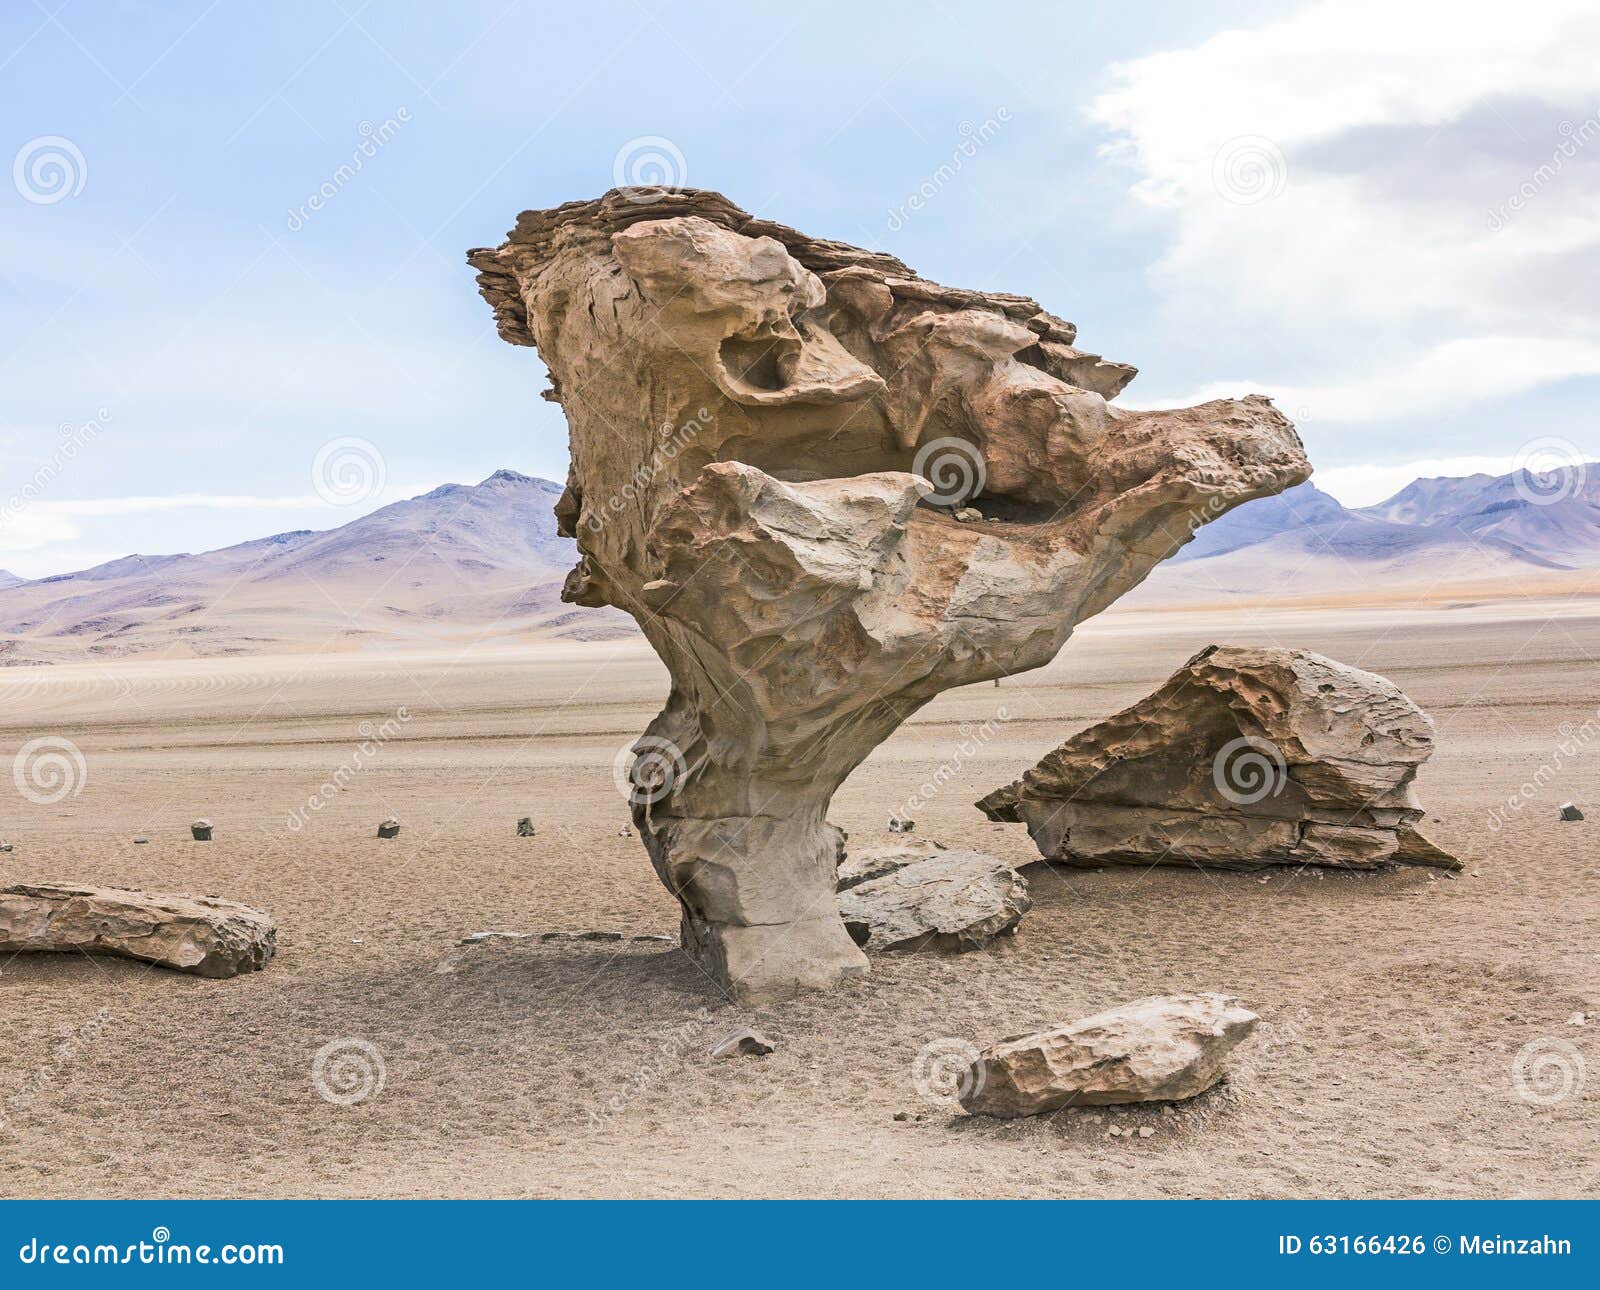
1244	758
874	862
1160	1049
956	900
213	938
769	433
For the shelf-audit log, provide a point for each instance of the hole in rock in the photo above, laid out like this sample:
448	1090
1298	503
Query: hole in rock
763	363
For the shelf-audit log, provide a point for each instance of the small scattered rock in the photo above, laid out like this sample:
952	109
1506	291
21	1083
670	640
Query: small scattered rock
200	830
969	513
744	1043
1159	1049
626	831
390	828
1570	812
5	846
901	1115
140	842
1145	1131
897	825
1578	1019
525	827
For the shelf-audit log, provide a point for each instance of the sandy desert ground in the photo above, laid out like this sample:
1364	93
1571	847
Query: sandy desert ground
1394	1007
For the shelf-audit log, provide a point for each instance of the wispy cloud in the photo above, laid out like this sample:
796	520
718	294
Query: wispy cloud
1328	196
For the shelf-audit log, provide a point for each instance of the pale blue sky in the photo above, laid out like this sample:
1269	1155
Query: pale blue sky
1305	205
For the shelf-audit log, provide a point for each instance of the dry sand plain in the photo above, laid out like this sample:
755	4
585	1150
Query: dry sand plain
1394	1007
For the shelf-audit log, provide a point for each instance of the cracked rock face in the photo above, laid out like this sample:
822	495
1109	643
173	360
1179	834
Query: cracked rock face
1244	758
953	900
1161	1049
213	938
770	435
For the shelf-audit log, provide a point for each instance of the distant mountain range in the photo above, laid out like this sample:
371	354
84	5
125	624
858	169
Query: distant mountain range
484	562
464	562
1481	530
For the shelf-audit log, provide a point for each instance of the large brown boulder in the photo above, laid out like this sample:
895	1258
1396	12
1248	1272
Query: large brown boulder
770	436
1161	1049
1244	758
213	938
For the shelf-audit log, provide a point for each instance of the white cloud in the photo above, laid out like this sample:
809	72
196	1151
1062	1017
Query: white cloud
1330	180
1452	375
1368	485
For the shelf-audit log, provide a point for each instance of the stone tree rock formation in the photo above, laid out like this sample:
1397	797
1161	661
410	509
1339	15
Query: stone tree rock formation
1244	758
769	435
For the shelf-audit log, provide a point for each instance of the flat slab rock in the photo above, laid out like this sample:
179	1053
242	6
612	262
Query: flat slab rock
195	934
1244	758
874	862
954	900
1161	1049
